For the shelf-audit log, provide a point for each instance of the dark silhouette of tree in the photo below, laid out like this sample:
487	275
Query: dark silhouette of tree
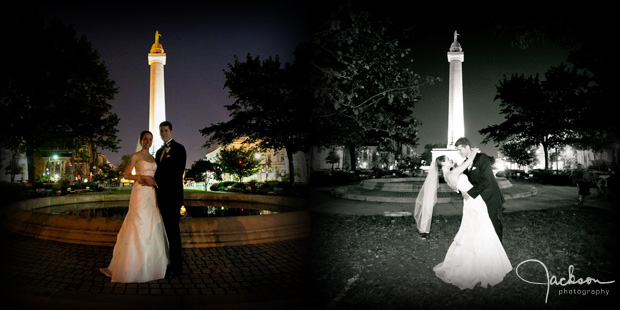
199	169
13	168
427	155
545	113
588	40
271	108
365	89
54	91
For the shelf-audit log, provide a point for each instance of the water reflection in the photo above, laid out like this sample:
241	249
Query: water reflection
193	209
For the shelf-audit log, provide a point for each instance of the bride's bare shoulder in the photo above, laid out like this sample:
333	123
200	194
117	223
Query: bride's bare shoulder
139	156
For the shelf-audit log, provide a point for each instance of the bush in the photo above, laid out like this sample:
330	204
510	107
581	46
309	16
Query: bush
283	188
239	187
222	186
267	187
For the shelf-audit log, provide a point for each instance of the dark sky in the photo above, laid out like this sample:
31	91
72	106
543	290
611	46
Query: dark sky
200	41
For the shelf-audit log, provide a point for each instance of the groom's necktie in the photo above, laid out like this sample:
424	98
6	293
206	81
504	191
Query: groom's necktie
163	151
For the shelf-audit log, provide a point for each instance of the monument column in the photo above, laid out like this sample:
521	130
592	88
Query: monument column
157	112
456	118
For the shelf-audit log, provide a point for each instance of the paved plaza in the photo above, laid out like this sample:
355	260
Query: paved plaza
40	274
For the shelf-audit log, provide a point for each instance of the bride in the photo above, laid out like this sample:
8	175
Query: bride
141	250
476	255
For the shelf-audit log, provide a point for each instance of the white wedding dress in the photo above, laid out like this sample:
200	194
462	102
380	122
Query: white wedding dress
476	255
141	250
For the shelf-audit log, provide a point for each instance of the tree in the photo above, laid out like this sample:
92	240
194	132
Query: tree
588	44
13	168
271	107
55	101
238	161
200	169
522	155
427	155
365	89
108	174
332	158
544	113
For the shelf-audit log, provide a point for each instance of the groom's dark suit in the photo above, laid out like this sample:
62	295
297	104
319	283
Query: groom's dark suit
169	177
482	178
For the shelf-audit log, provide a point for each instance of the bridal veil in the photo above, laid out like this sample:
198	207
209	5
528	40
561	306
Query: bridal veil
427	197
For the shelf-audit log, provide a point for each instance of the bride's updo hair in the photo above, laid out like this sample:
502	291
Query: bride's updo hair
143	133
440	160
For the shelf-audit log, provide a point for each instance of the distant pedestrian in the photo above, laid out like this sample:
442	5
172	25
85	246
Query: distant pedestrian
583	179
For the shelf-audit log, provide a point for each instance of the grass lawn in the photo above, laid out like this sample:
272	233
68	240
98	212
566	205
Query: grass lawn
378	262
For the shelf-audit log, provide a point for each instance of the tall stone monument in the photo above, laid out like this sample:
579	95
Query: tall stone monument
456	117
157	112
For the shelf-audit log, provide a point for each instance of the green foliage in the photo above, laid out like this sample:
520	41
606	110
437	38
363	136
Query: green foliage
45	179
238	161
222	186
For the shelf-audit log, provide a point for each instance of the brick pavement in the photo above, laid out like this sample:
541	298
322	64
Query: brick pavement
40	274
48	275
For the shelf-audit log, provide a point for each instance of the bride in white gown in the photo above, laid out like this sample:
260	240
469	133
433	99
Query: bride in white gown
476	255
141	250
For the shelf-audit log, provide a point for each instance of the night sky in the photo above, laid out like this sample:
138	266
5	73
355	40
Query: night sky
200	41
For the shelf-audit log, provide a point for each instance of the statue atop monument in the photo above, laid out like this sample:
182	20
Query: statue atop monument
456	46
157	48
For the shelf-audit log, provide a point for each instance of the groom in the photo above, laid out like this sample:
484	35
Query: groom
481	177
170	159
